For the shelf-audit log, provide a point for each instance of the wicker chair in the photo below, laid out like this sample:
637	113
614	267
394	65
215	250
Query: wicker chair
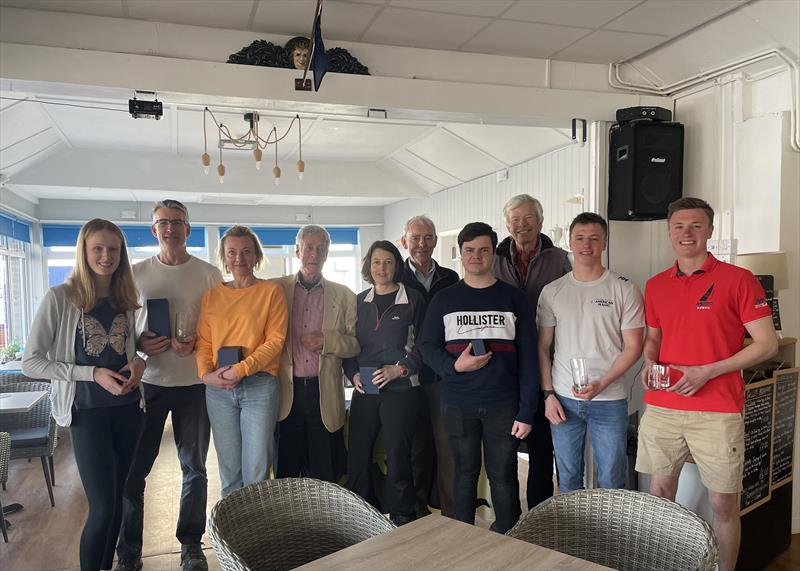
5	448
622	529
10	377
282	524
33	433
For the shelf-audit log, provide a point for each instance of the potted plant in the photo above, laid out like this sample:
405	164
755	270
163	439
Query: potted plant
9	352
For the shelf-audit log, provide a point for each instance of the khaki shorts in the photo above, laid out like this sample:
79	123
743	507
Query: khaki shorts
715	440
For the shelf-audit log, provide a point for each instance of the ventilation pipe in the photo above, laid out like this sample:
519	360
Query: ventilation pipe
616	81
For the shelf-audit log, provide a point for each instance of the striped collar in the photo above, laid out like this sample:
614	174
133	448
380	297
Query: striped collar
710	263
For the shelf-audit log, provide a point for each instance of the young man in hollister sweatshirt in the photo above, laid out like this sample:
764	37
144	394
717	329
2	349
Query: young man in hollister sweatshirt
489	393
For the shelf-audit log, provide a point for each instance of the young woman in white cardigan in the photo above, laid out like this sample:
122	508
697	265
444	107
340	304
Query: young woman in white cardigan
83	340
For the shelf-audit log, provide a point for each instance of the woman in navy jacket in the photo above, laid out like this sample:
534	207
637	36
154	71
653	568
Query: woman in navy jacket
389	322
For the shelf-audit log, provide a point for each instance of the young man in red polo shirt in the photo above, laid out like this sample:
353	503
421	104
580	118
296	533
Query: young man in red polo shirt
697	312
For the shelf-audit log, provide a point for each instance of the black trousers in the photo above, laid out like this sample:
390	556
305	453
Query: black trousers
305	447
192	432
540	466
423	456
468	429
431	457
396	413
104	443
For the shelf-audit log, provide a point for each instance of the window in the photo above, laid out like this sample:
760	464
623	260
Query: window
60	261
343	265
141	253
14	283
59	241
277	261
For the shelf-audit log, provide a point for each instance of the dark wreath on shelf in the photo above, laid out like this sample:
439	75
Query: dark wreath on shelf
295	55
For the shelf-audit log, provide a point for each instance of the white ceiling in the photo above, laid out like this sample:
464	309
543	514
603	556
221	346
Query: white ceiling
592	31
755	27
394	159
404	158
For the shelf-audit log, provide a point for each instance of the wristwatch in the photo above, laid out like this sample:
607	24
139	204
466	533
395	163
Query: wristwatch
403	370
547	393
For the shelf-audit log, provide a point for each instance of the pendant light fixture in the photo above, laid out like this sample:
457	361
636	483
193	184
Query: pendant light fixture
301	166
250	141
221	167
276	172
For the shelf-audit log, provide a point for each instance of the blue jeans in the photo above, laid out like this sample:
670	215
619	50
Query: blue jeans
467	429
243	428
607	422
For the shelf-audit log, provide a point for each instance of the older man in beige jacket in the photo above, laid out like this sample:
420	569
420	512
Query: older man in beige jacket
322	323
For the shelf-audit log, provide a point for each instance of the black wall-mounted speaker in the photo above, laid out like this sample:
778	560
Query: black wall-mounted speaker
645	171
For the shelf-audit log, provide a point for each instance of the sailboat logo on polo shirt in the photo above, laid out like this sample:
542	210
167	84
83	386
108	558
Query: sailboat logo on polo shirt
705	300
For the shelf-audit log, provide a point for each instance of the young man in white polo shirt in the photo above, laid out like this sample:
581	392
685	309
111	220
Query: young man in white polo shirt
596	315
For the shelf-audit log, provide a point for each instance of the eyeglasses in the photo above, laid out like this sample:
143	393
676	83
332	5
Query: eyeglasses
163	223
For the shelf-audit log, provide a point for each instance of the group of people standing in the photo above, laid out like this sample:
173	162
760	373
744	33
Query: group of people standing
447	369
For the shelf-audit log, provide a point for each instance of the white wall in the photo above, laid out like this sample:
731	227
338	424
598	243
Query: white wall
789	209
58	29
15	203
83	210
758	183
735	130
742	164
552	178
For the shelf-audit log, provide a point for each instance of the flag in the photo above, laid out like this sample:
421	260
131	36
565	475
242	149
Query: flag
319	59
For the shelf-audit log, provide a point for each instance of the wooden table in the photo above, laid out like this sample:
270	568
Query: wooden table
20	402
437	543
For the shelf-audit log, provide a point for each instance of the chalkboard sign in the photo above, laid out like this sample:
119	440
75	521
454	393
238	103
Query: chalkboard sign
768	283
785	412
759	399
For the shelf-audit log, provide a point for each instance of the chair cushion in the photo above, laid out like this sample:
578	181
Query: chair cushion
27	437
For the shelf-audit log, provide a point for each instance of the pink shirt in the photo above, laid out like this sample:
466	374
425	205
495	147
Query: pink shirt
307	313
524	260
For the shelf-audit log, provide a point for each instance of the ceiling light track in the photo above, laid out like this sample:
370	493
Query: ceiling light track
150	108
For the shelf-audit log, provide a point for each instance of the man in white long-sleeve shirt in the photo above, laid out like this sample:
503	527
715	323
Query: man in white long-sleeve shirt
171	385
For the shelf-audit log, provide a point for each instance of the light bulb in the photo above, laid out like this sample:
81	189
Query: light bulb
221	172
257	157
206	160
276	172
301	169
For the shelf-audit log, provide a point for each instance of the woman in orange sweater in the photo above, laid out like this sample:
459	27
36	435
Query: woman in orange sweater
243	324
